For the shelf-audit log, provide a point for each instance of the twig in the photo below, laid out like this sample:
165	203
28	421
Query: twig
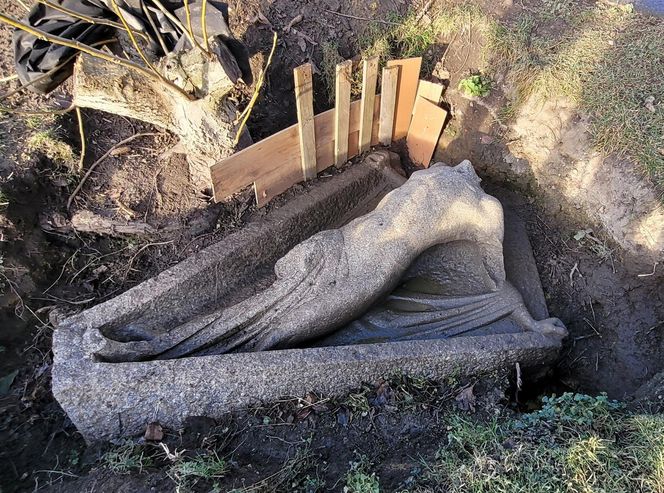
90	20
81	131
18	311
96	163
592	327
571	274
119	13
64	266
9	78
204	25
146	11
90	51
140	250
447	49
50	297
37	112
259	84
424	10
187	14
654	267
651	329
362	18
46	75
173	19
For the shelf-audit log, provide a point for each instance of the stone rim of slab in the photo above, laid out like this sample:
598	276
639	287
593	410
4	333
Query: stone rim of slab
108	401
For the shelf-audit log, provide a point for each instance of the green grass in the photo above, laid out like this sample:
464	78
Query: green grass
408	36
126	458
359	479
575	443
47	142
291	476
186	472
607	60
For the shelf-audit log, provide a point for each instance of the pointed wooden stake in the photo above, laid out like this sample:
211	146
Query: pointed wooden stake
409	76
342	112
388	97
304	100
369	77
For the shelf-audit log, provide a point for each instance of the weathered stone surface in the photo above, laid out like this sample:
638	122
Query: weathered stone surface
334	276
107	400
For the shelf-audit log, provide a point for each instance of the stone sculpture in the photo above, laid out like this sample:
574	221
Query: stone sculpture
335	276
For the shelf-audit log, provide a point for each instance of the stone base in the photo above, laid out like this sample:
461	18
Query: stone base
111	400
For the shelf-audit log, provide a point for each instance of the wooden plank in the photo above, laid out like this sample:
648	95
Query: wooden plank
369	79
388	97
427	123
279	179
244	167
409	75
304	101
342	111
429	90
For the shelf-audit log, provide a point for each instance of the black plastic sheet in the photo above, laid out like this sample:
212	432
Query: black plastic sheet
52	64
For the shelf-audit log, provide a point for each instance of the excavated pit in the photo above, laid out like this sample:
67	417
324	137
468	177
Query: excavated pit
110	400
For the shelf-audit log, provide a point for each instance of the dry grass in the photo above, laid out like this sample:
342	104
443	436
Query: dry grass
608	60
46	142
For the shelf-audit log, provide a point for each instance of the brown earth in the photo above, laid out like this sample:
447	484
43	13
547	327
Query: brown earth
613	308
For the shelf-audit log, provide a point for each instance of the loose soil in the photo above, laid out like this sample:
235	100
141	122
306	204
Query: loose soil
610	301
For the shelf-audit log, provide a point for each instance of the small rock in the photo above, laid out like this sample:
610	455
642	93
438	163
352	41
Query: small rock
119	151
295	20
486	139
154	432
650	104
333	5
441	72
302	43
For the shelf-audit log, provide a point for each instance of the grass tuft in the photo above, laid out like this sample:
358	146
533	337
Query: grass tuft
47	143
187	472
410	35
126	458
359	479
574	443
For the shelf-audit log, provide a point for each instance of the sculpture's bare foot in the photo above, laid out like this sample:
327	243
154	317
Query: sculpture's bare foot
550	327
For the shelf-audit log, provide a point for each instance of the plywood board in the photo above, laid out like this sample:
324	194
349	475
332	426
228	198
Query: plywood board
425	128
276	181
429	90
304	101
388	97
409	76
369	79
342	111
246	166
